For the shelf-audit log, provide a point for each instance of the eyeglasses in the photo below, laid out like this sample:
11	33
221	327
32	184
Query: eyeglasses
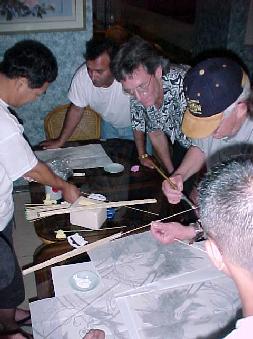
141	89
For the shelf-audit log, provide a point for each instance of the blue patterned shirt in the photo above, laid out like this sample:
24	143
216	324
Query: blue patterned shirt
168	117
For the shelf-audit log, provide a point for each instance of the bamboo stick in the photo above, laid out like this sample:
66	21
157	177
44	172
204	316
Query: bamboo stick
149	224
89	230
32	214
165	177
71	254
120	203
144	211
91	246
174	186
48	207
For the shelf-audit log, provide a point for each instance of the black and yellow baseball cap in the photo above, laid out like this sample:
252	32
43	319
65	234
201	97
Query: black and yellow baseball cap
210	87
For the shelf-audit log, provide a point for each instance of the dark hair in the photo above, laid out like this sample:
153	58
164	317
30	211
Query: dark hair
134	53
32	60
99	45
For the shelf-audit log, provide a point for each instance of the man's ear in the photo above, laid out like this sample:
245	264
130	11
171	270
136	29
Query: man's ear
159	72
214	254
21	82
241	110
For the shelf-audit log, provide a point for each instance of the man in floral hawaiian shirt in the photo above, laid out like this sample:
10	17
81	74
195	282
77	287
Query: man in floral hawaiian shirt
157	99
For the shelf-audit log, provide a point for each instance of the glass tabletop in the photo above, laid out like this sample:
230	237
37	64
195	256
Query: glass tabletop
126	185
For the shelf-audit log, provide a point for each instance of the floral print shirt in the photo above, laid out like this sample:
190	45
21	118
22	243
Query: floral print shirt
168	117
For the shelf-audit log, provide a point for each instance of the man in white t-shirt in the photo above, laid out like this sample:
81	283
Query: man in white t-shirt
93	84
26	71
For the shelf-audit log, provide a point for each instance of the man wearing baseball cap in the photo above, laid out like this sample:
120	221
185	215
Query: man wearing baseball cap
218	122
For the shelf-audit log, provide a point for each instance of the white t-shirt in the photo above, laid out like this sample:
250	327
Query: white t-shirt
16	158
243	329
111	103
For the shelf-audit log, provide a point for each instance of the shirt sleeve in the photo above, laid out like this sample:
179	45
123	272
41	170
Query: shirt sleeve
177	103
243	329
202	144
77	91
16	156
137	116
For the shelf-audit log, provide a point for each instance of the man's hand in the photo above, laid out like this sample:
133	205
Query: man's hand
72	118
44	175
52	143
173	195
147	162
95	334
167	233
70	192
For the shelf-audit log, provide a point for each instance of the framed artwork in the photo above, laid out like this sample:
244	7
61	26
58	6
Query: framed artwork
18	16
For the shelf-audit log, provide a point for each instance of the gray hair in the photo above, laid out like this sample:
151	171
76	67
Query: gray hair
226	209
134	53
243	97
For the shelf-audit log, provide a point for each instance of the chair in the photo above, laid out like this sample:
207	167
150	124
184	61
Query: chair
88	127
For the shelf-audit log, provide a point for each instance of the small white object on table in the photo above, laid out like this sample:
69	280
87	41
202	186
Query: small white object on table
92	218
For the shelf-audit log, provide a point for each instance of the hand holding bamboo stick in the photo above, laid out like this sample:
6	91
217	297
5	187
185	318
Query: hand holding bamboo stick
174	186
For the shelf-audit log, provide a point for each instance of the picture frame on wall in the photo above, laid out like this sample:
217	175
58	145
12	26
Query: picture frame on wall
20	16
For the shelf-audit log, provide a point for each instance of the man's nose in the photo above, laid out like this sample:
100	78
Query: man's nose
94	76
137	95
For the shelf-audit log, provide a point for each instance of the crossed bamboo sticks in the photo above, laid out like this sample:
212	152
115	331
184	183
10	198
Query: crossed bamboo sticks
91	246
103	241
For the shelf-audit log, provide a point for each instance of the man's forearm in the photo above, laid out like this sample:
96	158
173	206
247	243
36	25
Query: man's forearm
139	138
160	143
192	163
44	175
72	119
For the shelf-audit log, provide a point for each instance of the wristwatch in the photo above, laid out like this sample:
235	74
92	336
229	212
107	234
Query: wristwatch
144	156
199	232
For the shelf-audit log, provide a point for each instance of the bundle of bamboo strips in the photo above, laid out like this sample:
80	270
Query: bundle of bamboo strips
42	211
